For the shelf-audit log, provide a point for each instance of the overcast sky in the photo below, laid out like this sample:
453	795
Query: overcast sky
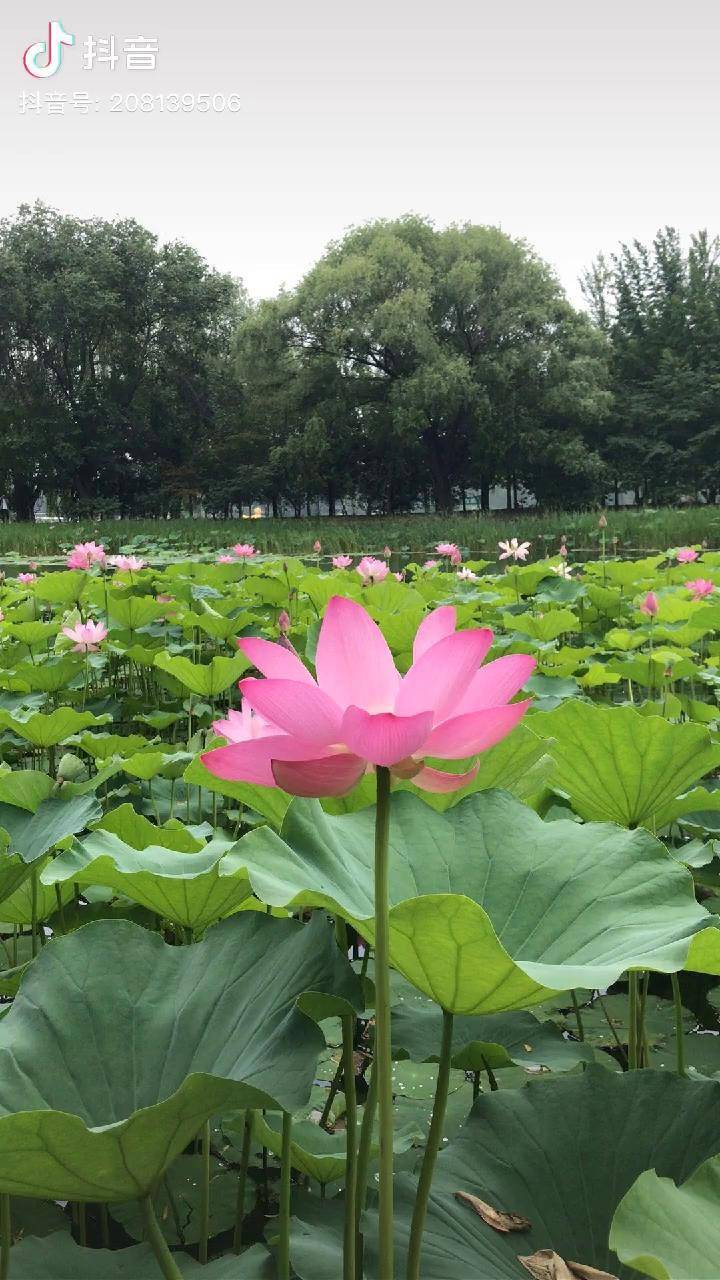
573	124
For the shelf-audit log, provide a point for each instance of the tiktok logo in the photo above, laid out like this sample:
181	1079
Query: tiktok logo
45	59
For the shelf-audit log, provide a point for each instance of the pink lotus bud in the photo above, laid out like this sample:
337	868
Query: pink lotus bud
563	550
284	622
602	522
456	556
317	546
649	605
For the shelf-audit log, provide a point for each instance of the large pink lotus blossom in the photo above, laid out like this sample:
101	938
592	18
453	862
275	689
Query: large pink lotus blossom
700	587
244	550
686	555
86	635
446	549
649	605
372	570
318	737
514	550
342	562
27	578
127	564
85	554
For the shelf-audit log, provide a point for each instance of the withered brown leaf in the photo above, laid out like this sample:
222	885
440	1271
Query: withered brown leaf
496	1218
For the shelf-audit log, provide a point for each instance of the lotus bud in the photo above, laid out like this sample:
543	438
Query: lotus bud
602	522
284	622
649	605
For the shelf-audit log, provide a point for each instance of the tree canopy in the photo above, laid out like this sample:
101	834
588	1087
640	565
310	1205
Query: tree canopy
410	365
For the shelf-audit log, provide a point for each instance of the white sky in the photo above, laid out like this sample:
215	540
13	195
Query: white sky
572	124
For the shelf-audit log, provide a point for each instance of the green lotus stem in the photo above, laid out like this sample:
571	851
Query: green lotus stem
104	1226
492	1079
204	1194
5	1236
431	1150
158	1243
332	1093
644	1047
61	906
242	1182
679	1035
633	1021
348	1032
33	912
383	1057
283	1258
82	1223
578	1017
613	1031
363	1165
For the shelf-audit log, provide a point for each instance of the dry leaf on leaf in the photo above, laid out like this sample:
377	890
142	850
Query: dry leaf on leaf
496	1218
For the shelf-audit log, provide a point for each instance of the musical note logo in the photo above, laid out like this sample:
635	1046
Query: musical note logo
45	59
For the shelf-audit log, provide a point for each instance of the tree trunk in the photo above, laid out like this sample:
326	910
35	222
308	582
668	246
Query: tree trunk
508	493
484	493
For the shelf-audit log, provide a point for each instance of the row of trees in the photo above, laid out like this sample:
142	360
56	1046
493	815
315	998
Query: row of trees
409	364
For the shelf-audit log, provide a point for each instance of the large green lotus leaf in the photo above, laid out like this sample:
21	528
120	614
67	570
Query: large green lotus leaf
58	1257
205	679
271	802
517	1039
18	907
119	1047
32	834
491	907
134	612
48	730
25	788
187	888
670	1232
102	746
137	830
50	676
13	871
65	587
619	765
561	1153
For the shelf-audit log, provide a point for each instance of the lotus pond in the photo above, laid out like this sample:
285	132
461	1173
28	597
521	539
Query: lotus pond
409	967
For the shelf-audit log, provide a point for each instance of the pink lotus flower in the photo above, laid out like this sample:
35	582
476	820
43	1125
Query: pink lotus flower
86	635
467	575
700	587
127	564
456	556
32	564
2	616
448	549
685	555
372	570
514	549
226	559
317	546
244	550
27	578
85	554
399	577
431	564
283	622
342	562
562	549
649	605
318	737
